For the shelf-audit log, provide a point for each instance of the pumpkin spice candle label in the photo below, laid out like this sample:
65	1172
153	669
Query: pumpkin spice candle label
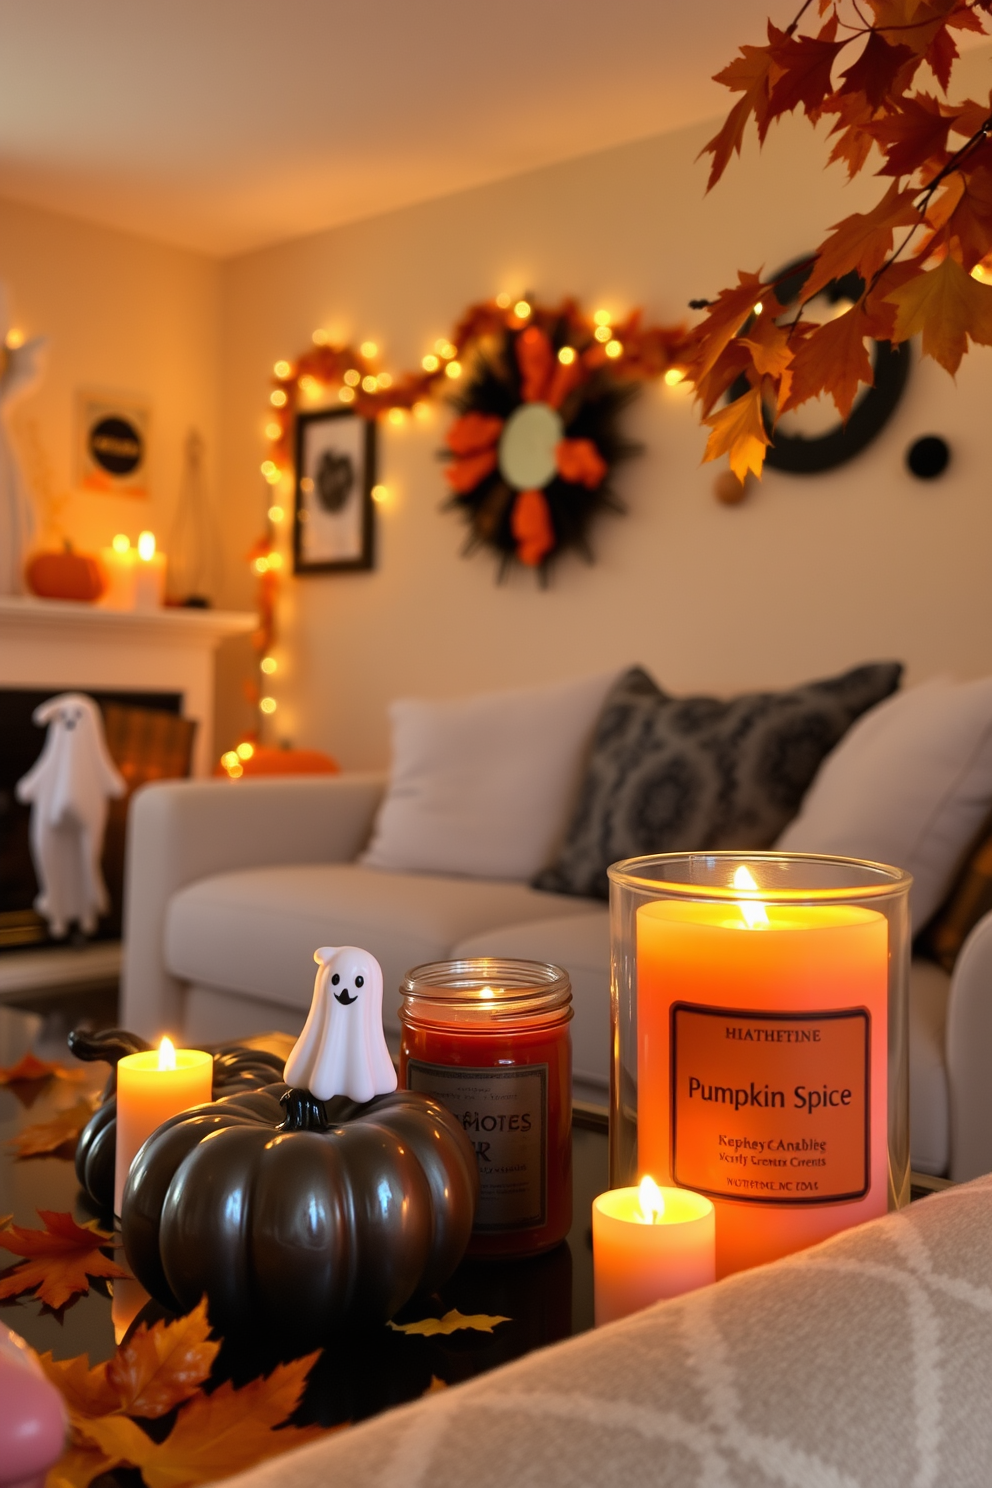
490	1040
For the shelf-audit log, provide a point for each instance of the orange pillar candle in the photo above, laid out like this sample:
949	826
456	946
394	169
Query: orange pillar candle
152	1087
648	1243
762	1065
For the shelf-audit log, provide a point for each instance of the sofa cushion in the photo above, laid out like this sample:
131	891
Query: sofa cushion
255	931
484	785
929	1095
910	785
581	945
690	774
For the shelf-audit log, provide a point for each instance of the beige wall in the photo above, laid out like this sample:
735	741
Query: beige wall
809	576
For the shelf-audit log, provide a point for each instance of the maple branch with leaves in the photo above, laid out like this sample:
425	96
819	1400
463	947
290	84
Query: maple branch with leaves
932	287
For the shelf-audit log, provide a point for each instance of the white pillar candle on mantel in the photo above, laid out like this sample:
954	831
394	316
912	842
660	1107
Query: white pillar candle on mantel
117	562
149	574
649	1243
135	576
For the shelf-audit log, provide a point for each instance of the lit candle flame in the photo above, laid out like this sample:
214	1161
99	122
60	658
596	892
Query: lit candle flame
752	910
166	1055
146	546
651	1200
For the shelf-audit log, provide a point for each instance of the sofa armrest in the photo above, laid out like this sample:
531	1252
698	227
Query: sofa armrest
182	830
969	1056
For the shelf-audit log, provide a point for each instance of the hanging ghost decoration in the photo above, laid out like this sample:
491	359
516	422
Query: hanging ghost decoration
20	367
342	1049
68	788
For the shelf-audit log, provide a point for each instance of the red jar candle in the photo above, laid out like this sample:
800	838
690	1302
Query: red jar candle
490	1040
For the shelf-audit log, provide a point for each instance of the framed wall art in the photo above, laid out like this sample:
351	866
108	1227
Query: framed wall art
112	444
335	473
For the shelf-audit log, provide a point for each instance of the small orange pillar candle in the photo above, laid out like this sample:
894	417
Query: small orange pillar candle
649	1243
150	1088
762	1065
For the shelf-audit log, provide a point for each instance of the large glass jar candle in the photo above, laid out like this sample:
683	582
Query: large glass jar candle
760	1041
490	1039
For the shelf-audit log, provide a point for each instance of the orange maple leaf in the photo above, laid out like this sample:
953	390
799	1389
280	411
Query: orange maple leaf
832	358
61	1258
30	1068
215	1435
739	431
970	223
947	305
49	1136
806	63
913	136
862	241
724	319
876	71
158	1368
751	74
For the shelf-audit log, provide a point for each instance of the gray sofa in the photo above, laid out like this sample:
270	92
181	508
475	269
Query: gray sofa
231	887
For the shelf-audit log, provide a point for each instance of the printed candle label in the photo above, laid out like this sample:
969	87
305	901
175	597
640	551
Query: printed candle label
505	1114
771	1107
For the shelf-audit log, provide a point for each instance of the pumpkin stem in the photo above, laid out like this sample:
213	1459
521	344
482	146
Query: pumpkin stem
109	1045
304	1112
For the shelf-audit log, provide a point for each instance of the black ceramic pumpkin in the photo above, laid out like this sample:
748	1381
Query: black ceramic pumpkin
236	1067
298	1215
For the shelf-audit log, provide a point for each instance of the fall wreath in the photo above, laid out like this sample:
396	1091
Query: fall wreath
531	456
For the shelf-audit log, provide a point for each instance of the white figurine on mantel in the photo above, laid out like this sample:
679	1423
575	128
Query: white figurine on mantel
68	787
20	367
342	1049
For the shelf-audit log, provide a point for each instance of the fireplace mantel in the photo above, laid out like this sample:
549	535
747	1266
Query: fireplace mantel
65	645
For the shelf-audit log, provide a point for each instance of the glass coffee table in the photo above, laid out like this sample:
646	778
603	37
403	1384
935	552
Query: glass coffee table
544	1299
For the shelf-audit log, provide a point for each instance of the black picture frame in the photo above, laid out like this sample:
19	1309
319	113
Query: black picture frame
333	510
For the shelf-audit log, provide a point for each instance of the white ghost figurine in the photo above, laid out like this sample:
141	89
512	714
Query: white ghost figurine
20	367
342	1049
68	787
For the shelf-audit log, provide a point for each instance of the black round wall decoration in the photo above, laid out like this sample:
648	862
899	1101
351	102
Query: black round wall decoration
928	457
810	455
116	445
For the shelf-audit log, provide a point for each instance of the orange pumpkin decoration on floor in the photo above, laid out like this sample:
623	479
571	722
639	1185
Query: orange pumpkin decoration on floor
66	575
264	761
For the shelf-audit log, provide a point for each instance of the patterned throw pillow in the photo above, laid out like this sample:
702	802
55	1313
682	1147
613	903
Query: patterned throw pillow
968	902
696	774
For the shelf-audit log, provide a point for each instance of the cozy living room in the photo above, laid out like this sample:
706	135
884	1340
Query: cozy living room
495	745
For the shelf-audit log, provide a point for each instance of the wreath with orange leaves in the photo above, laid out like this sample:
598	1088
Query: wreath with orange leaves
531	456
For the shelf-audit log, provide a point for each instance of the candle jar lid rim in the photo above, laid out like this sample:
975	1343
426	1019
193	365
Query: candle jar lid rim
519	989
879	880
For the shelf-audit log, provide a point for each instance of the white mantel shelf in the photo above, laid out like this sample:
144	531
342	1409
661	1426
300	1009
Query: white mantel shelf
63	644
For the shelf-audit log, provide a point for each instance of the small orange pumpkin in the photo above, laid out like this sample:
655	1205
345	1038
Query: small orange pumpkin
264	761
66	575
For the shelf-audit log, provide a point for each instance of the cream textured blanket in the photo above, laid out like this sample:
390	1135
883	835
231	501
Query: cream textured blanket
863	1363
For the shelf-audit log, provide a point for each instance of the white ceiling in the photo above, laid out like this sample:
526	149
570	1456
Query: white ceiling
223	125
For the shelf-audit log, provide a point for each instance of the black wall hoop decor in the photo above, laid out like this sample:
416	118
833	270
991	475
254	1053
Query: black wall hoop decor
800	454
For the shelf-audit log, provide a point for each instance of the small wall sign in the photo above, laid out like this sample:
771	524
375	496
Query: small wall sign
113	445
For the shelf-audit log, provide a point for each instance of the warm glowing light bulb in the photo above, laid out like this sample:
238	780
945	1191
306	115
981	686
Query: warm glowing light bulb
430	363
384	379
449	350
441	346
753	910
369	350
652	1201
273	430
268	705
269	663
453	369
229	758
275	560
602	317
346	394
261	565
353	377
166	1055
397	416
146	546
267	467
567	355
278	398
521	309
276	514
614	348
380	494
121	543
246	750
370	383
421	410
282	368
758	308
603	333
320	337
13	339
978	272
236	770
503	301
674	376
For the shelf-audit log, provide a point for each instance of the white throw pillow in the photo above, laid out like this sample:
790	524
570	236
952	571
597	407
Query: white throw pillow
909	784
484	785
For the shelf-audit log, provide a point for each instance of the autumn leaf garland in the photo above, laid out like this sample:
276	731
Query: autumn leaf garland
918	252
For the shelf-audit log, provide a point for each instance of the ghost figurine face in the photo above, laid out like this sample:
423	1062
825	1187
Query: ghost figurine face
342	1049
